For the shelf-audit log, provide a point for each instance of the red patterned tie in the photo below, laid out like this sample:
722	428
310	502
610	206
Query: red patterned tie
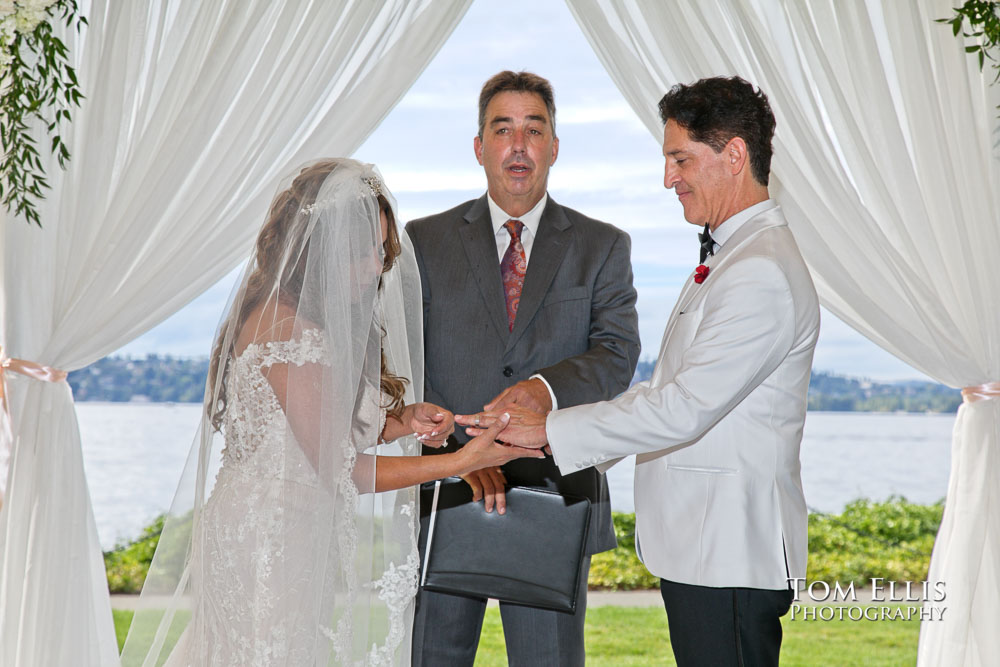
512	268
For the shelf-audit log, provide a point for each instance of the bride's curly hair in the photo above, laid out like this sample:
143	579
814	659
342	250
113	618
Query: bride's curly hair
283	224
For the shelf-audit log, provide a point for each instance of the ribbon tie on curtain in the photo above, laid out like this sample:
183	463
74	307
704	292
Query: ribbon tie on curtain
29	368
981	392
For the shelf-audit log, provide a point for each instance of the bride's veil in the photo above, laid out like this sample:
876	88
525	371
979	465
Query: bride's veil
276	503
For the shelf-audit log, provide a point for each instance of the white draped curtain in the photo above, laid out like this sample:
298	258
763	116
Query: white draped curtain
193	111
887	167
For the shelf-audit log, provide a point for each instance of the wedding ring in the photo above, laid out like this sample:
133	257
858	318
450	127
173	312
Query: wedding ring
477	420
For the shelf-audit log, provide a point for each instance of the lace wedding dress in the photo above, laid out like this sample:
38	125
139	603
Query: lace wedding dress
248	610
276	550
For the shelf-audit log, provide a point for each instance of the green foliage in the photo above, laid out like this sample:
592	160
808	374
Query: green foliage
38	86
128	563
156	378
620	568
983	17
170	560
892	540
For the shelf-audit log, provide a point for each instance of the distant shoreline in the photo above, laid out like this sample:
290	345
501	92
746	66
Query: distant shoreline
166	379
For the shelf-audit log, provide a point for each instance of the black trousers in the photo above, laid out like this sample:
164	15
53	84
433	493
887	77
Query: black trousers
718	627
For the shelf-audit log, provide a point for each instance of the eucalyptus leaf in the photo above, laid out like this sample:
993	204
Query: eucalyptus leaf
983	17
40	89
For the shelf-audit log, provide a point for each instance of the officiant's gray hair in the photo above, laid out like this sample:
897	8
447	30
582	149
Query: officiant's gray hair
516	82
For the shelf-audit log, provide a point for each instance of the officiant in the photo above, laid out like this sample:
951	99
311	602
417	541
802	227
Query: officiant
530	303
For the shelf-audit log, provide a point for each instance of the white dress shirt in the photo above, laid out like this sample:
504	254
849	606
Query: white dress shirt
530	221
725	231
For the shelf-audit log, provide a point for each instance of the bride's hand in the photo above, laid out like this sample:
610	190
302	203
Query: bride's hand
483	451
431	424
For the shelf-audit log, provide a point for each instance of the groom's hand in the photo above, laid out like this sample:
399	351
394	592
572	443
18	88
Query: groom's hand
531	394
525	429
488	485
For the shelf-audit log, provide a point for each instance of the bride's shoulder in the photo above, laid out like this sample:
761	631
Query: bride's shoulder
277	333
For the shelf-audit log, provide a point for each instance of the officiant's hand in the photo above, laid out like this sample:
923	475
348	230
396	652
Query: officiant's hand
531	394
431	424
483	451
488	485
526	428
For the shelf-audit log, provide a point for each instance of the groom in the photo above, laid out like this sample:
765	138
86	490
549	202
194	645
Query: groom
529	303
720	513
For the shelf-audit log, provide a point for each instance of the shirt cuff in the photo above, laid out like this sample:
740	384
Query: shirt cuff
563	459
552	394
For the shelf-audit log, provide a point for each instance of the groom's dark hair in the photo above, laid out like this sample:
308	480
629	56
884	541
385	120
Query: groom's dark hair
516	82
715	110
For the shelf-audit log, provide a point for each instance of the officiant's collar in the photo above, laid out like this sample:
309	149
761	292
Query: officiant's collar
725	231
530	219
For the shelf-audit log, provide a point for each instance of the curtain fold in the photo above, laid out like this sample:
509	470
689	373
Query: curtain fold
886	166
193	110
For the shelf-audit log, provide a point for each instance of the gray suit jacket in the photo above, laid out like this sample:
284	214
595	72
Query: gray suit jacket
576	326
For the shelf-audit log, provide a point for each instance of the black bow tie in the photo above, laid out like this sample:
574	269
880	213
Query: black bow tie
707	245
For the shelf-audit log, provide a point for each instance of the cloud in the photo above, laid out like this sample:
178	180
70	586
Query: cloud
843	350
618	180
404	181
599	112
190	332
447	101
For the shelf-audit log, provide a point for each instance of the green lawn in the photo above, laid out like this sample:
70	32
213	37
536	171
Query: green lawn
849	643
633	637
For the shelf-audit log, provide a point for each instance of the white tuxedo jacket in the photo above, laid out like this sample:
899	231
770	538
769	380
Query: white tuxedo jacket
718	494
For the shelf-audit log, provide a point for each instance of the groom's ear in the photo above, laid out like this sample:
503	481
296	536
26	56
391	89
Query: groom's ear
477	146
736	154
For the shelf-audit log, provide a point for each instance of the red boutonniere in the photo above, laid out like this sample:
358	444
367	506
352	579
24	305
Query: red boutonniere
700	273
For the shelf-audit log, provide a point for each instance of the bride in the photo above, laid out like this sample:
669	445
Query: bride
292	538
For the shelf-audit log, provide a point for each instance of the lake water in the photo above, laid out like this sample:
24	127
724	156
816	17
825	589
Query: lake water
134	453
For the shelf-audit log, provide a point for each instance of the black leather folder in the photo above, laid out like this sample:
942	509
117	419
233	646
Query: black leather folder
531	555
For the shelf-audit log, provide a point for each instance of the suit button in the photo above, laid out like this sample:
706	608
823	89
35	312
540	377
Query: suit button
507	371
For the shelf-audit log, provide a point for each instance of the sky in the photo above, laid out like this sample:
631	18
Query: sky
609	167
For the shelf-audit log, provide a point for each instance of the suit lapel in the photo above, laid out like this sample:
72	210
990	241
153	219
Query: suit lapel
547	252
481	249
769	218
755	225
686	294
